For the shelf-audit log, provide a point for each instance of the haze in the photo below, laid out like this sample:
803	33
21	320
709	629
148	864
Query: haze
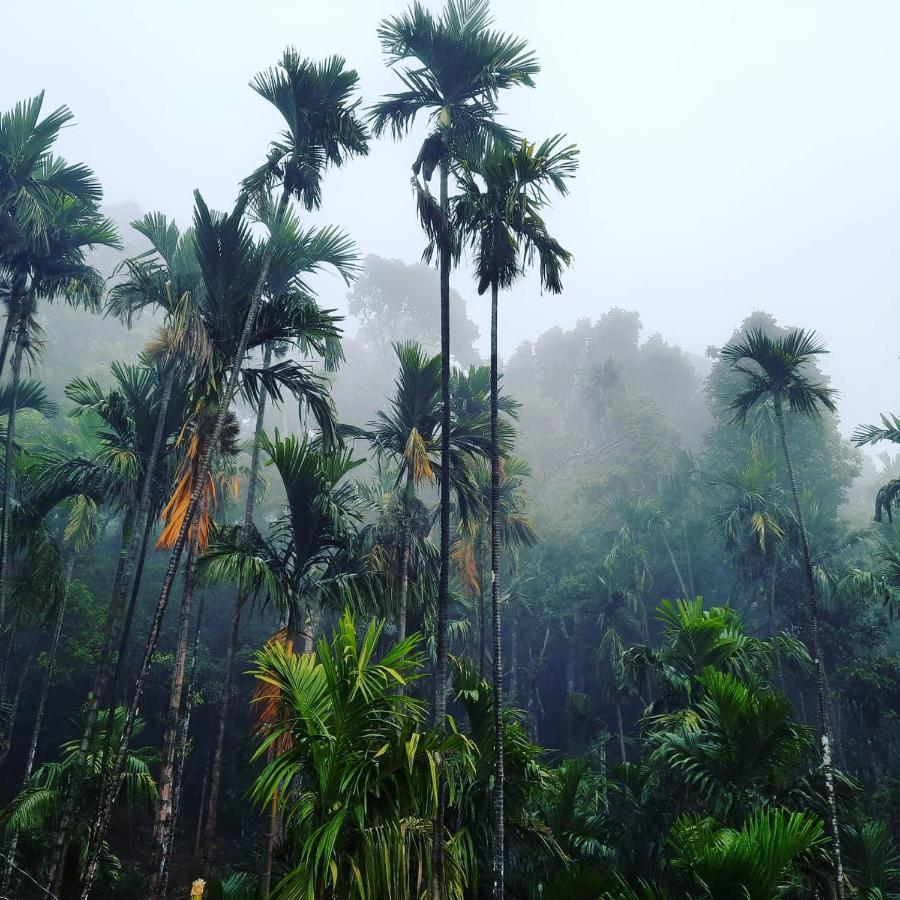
735	156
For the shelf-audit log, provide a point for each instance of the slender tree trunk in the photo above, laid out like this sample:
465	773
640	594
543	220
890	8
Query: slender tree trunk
212	810
440	668
201	808
181	752
136	545
7	336
681	584
621	728
688	556
13	712
497	635
824	737
265	880
405	554
6	496
180	541
514	664
166	782
482	649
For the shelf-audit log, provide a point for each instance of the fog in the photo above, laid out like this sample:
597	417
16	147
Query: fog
735	156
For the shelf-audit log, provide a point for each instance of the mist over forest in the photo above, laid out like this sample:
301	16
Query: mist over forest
330	570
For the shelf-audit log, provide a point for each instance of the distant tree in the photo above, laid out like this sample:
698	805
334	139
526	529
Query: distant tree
397	301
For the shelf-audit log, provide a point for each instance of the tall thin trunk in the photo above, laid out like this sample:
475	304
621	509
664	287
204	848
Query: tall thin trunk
9	453
482	649
514	664
440	668
497	636
8	327
681	584
181	751
827	766
405	554
688	555
212	810
136	545
201	807
265	880
166	782
621	728
13	712
102	821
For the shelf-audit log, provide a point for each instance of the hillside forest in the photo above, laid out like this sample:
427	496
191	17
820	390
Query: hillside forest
319	603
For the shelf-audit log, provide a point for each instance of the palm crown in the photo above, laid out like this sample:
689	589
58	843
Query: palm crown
777	368
458	64
498	210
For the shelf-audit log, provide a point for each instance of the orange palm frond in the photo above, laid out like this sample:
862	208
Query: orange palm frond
463	554
267	699
176	508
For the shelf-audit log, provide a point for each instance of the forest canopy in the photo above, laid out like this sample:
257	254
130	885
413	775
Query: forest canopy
337	603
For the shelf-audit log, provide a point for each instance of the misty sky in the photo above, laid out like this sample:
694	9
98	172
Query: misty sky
735	155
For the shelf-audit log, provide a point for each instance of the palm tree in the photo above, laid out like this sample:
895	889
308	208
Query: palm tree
888	497
457	66
35	809
45	265
753	524
776	370
352	767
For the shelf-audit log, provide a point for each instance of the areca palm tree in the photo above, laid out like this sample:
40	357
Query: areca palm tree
888	497
453	68
47	264
776	370
753	523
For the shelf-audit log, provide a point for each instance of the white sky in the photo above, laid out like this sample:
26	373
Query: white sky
735	155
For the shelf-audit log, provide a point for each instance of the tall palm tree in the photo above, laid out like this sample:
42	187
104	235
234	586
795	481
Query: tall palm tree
888	497
776	370
753	524
47	264
453	68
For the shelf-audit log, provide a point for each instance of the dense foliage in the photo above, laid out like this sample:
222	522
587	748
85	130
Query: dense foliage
315	614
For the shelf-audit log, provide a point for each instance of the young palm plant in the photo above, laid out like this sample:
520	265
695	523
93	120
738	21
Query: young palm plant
777	370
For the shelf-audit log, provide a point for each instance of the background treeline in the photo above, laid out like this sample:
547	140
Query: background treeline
293	600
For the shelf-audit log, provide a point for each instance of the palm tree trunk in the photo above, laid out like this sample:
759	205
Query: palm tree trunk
405	554
621	729
135	546
180	541
212	809
6	496
440	668
265	880
7	336
681	584
688	555
482	649
166	782
204	793
181	751
497	636
13	712
824	737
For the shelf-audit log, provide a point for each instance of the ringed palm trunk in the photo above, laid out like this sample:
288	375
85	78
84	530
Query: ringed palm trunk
440	668
824	736
181	751
482	650
499	828
163	821
215	778
7	337
6	499
132	554
102	820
